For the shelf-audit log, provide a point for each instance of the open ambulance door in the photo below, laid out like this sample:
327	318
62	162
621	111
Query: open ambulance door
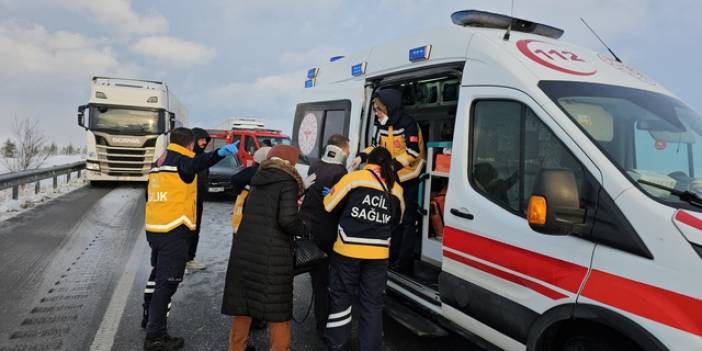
324	111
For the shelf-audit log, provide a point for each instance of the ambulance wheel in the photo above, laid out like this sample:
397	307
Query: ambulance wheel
597	340
587	343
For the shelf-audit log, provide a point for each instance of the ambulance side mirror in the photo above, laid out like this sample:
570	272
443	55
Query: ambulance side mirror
554	206
81	115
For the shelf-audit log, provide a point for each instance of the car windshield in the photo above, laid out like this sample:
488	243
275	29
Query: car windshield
272	141
227	162
652	137
125	121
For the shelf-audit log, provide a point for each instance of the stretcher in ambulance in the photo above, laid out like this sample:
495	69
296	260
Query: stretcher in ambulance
560	203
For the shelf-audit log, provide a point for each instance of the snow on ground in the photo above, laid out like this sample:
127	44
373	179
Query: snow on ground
28	199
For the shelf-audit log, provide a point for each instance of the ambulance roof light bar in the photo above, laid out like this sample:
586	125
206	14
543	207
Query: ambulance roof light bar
474	18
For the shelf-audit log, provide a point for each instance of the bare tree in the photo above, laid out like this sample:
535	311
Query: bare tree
29	140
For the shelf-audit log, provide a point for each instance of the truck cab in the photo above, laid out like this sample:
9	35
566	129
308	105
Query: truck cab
560	204
127	122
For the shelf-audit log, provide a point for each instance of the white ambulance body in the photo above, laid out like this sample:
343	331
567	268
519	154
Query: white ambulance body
550	239
127	122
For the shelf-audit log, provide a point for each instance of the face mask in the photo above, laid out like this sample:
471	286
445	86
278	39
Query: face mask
383	119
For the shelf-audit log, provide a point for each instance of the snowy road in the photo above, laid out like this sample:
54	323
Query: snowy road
74	271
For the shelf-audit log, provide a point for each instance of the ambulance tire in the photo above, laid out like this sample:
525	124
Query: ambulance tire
600	340
587	343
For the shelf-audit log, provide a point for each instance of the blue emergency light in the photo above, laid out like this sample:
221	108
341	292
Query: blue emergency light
312	73
358	69
310	83
421	53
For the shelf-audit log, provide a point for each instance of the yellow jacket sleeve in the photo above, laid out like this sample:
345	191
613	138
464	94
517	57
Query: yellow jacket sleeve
338	192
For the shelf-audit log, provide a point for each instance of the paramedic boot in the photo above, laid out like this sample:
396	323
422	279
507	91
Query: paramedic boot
163	343
194	266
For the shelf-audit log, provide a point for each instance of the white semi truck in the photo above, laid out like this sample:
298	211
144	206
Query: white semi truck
127	123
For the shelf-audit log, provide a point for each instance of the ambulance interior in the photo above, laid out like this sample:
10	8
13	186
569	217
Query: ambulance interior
431	99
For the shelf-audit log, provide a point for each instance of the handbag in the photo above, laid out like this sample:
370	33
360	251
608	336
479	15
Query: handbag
306	255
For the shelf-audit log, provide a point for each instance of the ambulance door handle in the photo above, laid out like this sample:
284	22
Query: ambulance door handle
459	213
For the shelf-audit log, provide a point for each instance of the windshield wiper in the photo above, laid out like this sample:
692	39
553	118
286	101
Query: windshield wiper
686	195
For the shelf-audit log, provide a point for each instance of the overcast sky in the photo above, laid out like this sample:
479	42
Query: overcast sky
248	58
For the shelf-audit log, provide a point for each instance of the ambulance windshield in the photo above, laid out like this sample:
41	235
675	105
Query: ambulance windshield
652	137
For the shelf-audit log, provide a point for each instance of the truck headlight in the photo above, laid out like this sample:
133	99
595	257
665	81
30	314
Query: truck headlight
92	166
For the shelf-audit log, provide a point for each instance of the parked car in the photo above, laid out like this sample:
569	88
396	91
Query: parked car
219	181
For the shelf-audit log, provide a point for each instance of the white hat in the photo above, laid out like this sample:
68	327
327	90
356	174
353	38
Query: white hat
261	154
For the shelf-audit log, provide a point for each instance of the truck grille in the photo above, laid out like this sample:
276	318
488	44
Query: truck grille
125	161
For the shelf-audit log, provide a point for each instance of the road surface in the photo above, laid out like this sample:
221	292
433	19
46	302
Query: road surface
73	274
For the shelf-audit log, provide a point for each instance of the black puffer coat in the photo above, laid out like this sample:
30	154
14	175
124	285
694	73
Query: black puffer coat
259	280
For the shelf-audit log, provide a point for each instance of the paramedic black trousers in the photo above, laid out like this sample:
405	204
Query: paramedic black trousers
320	285
348	276
149	290
171	254
404	236
195	237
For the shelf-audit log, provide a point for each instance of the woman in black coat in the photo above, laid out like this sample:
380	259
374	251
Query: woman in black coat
259	282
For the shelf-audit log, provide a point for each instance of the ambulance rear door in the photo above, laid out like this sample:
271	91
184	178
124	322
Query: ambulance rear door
325	111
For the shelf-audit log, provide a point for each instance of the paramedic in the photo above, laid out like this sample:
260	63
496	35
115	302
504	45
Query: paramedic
370	203
170	219
323	227
400	134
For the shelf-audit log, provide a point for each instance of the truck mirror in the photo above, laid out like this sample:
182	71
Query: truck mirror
81	115
171	121
554	206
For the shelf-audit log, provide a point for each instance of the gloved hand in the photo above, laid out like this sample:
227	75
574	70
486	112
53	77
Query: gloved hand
325	191
355	163
229	149
309	181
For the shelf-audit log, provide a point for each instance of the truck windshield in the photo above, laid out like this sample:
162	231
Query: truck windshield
125	121
652	137
272	141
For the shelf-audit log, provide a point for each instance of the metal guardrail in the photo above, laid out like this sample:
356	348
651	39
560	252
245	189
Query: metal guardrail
17	179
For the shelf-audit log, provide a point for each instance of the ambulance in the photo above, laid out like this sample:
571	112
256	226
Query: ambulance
560	205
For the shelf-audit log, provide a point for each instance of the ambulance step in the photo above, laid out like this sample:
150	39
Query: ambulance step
416	323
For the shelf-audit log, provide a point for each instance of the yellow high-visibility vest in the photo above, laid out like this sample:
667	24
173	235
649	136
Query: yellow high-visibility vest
171	201
238	212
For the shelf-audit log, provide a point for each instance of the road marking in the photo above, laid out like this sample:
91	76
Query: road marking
105	336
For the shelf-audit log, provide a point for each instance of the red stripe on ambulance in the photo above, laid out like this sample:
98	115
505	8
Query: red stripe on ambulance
550	293
686	218
663	306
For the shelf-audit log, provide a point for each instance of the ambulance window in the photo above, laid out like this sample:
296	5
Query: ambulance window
510	147
496	134
316	122
333	123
